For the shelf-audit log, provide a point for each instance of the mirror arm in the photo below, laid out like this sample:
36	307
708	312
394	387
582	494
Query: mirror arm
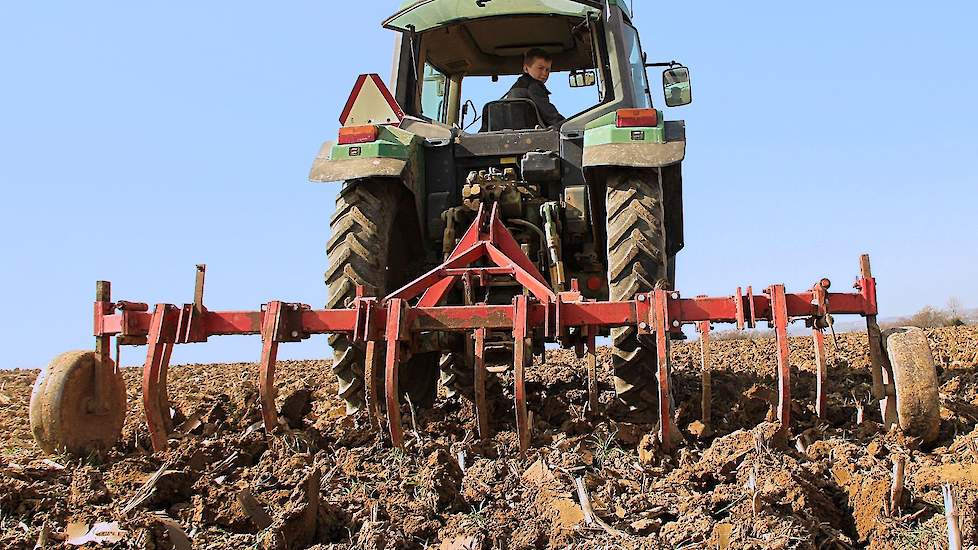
666	64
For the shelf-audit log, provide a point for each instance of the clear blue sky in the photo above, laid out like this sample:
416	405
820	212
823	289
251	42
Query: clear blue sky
139	138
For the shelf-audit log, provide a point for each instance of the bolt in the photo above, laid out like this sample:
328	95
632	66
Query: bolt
643	326
641	297
295	333
675	295
675	324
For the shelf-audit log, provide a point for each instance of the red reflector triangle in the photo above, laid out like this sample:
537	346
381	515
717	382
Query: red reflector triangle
371	102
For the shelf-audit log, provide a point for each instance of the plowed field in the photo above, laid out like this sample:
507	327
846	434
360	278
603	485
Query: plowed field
331	481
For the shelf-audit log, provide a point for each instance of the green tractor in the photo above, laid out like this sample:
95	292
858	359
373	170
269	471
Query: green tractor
595	200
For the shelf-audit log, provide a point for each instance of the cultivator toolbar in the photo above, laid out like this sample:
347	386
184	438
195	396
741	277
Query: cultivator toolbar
390	328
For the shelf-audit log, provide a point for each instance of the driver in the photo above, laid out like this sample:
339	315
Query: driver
532	85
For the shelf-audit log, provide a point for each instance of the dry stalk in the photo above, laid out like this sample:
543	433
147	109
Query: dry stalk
414	420
589	515
146	491
860	409
896	488
42	538
585	500
755	495
952	515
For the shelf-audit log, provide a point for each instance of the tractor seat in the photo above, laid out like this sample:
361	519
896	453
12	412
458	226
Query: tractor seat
511	114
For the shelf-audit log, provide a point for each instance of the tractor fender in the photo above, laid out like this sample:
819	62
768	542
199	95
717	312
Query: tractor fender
325	170
395	153
652	147
635	155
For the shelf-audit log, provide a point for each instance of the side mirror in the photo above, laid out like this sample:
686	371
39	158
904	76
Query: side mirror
582	79
676	86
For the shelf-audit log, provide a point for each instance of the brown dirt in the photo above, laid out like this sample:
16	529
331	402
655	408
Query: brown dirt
329	480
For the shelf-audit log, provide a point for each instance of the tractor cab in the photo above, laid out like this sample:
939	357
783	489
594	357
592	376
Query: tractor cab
456	61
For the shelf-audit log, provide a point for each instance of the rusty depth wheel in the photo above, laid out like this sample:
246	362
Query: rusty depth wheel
918	402
63	412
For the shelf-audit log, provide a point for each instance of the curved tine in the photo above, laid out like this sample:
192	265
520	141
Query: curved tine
370	378
592	371
481	403
706	373
522	415
151	381
779	315
162	389
394	310
266	379
519	373
662	348
821	372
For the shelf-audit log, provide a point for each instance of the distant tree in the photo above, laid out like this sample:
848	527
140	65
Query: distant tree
955	310
930	317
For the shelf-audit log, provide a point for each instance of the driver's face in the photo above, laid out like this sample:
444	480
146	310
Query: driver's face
539	69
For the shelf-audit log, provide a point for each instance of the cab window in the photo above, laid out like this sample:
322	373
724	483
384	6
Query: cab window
636	62
434	95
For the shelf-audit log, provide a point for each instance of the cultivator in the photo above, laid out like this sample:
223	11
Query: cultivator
391	327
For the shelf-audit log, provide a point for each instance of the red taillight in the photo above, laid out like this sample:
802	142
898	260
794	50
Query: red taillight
632	118
595	283
358	134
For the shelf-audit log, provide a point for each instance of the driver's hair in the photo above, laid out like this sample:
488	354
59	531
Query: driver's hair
536	53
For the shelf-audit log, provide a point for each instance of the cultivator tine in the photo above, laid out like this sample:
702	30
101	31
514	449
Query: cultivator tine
370	376
520	331
394	326
706	372
269	353
155	400
162	390
741	316
590	334
883	391
779	308
752	308
821	372
662	347
481	403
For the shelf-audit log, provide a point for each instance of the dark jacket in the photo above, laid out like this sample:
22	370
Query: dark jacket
528	87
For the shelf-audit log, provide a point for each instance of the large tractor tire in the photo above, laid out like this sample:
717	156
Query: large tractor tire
375	242
636	263
63	413
918	401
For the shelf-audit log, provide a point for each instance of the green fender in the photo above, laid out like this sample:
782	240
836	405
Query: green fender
646	147
396	154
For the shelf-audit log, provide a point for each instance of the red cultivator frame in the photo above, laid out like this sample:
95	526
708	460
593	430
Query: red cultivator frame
391	326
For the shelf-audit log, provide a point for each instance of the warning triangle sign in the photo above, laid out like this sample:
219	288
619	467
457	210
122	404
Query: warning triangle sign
371	103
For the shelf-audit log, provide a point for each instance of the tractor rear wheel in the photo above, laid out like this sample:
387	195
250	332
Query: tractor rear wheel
376	243
636	263
918	401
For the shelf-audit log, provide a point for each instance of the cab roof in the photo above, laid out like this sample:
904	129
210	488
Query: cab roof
422	15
